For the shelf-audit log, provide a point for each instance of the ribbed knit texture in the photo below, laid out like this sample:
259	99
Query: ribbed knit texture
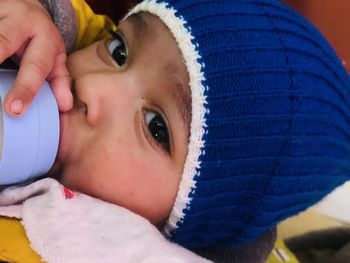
277	122
62	14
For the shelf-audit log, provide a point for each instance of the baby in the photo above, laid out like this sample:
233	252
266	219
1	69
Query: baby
214	120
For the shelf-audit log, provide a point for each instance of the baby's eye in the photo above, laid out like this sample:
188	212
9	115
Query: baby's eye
158	129
117	49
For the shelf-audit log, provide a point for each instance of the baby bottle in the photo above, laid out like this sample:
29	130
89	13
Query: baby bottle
28	143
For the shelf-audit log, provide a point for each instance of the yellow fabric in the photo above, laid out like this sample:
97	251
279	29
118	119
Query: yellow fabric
281	253
14	245
92	27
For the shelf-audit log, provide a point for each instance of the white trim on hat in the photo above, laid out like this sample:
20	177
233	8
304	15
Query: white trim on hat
183	36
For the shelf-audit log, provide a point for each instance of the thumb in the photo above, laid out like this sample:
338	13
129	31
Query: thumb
60	83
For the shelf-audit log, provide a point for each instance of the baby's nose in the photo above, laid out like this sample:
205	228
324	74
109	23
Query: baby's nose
106	96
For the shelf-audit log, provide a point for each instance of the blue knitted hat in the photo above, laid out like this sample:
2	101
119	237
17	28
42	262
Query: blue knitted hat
270	128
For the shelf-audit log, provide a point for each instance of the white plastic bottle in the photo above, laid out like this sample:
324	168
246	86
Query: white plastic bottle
29	143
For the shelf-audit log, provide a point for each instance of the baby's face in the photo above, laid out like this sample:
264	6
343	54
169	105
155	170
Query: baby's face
125	141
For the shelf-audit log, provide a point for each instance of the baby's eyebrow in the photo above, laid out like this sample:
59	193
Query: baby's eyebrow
183	100
138	24
181	95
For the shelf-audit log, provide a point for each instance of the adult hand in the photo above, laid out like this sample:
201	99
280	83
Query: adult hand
26	30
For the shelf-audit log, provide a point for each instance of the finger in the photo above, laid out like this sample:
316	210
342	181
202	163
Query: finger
35	66
60	83
10	39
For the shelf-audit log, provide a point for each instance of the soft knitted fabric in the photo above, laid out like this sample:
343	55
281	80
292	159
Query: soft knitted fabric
270	128
77	23
63	16
64	226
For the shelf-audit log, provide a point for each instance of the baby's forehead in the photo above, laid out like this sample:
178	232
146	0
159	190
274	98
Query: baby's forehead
147	28
137	19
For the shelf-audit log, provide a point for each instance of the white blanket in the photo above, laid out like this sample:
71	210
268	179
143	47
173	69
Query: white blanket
66	226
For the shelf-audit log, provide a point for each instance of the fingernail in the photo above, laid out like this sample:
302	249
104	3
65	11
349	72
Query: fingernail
16	107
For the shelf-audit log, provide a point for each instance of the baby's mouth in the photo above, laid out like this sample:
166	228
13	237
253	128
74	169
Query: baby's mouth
68	122
77	103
